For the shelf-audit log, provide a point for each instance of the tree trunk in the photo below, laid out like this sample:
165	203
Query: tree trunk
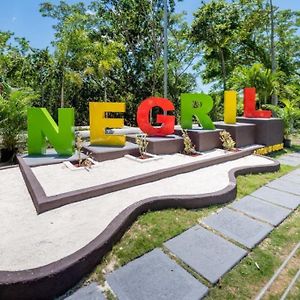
223	68
62	91
273	60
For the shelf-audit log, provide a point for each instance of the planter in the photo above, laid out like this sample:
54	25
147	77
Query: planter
7	155
73	165
146	158
287	143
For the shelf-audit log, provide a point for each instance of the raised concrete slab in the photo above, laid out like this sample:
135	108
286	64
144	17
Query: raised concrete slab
277	197
238	227
49	158
204	140
267	131
285	185
262	210
205	252
90	292
242	133
103	153
161	145
155	276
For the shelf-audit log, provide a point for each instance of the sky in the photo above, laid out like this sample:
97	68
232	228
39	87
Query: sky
24	19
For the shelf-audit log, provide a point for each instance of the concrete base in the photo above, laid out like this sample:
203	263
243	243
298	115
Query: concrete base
204	140
242	133
161	145
49	158
267	131
102	153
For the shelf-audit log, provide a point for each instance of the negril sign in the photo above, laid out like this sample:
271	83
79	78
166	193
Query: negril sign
42	127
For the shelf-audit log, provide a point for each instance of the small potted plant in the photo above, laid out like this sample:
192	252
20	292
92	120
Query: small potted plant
82	162
290	115
227	141
141	141
13	119
189	148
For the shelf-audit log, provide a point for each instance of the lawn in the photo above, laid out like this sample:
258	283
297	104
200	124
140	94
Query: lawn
152	229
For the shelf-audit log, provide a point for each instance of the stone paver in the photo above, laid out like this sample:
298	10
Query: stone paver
285	185
205	252
290	159
292	178
262	210
295	154
295	172
90	292
155	276
277	197
238	227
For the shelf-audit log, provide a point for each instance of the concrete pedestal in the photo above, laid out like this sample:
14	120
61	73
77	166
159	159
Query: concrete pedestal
204	140
161	145
242	133
102	153
267	131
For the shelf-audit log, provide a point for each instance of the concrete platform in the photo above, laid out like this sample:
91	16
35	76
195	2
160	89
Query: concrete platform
204	140
103	153
242	133
161	145
50	158
205	252
155	276
267	131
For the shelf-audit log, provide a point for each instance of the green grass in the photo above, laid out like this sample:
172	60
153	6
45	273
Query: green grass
152	229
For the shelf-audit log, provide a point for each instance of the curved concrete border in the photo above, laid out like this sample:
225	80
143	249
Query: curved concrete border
43	203
56	278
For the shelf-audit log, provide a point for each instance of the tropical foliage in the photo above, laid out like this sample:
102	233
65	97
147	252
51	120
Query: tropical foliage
112	50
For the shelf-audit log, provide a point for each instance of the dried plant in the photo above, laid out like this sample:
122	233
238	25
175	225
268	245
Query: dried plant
141	141
227	141
79	145
189	148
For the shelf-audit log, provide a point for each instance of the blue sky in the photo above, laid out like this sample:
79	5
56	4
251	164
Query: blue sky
23	18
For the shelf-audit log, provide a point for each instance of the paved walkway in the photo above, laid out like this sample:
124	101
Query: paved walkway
210	249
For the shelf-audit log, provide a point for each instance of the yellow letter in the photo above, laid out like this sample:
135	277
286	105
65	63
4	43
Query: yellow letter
230	107
98	124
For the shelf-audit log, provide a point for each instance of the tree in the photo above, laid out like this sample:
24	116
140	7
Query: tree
215	26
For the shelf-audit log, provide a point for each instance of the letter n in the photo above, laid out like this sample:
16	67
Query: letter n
42	129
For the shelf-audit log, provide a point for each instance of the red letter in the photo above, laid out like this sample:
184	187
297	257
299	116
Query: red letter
168	122
249	105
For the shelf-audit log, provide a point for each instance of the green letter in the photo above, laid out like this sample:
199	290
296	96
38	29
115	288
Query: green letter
42	126
198	105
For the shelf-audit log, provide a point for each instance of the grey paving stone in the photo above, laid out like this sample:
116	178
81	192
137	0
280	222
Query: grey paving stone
295	172
205	252
295	154
289	160
286	186
262	210
291	177
90	292
238	227
155	276
277	197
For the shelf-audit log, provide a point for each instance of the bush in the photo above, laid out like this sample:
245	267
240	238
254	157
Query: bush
13	115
